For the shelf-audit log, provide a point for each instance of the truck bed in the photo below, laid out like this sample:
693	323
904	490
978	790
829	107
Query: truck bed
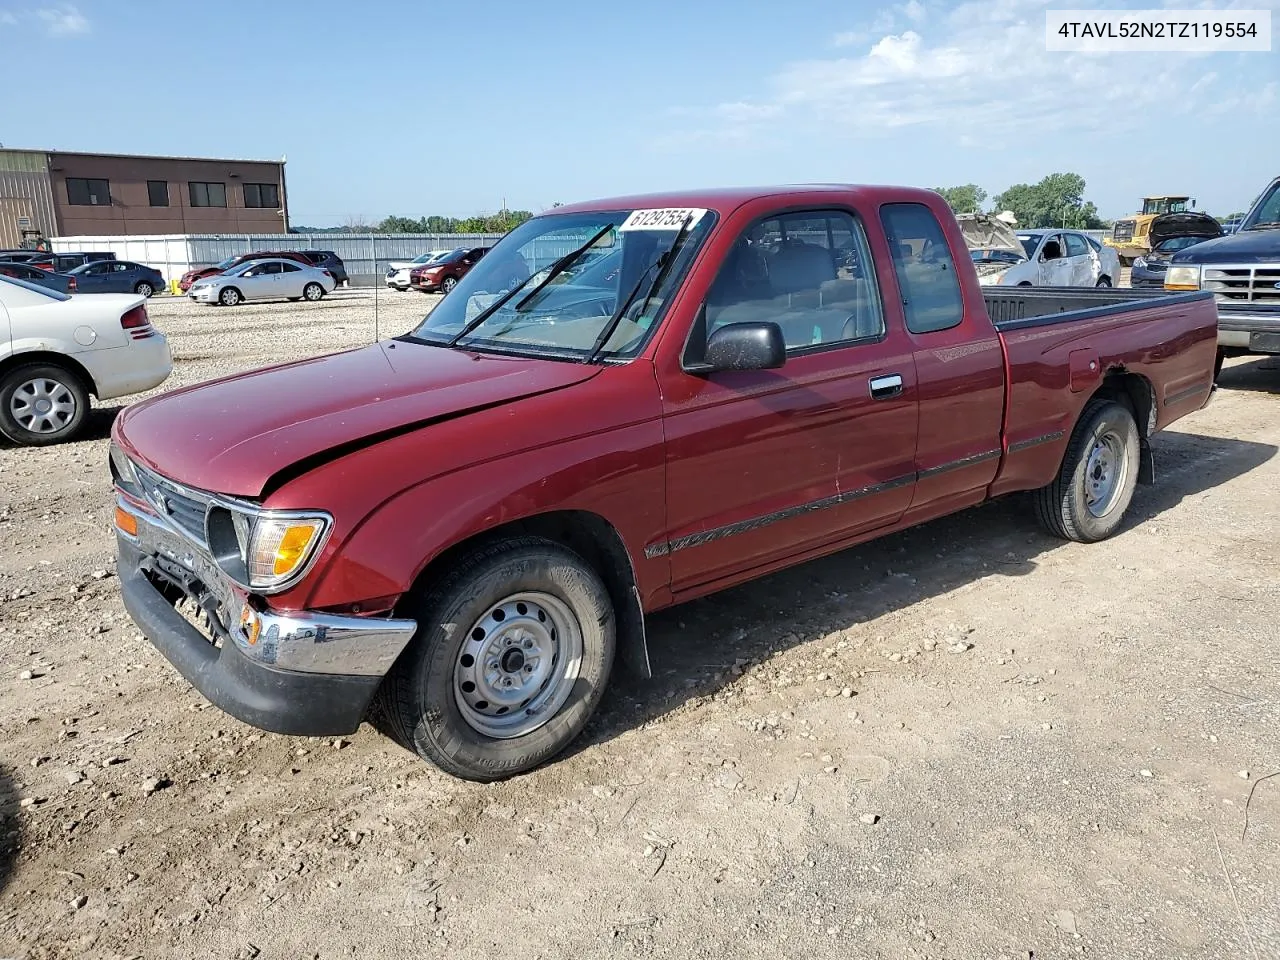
1016	307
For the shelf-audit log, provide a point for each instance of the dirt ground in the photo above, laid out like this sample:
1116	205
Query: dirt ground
966	741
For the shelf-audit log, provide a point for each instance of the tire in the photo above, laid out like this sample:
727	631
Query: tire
1103	282
21	391
429	702
1104	442
1025	283
144	289
312	292
1217	365
447	284
229	297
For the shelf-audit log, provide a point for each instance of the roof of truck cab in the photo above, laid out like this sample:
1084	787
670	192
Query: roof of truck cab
724	200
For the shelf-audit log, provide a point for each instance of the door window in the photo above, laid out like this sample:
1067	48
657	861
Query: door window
1076	247
922	261
809	272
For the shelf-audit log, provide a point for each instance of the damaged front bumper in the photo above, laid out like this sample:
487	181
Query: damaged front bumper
298	672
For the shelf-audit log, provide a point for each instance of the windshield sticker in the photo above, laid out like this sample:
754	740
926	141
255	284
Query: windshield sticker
664	218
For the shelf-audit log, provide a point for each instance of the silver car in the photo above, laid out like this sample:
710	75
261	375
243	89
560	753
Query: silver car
264	280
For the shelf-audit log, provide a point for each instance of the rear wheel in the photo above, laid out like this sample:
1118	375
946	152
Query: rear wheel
1094	487
229	297
1217	365
144	289
41	404
1103	282
313	292
514	648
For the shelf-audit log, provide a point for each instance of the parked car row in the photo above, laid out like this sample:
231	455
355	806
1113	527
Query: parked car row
54	262
323	259
397	276
1036	258
95	276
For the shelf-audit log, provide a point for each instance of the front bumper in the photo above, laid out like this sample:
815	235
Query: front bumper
204	295
1253	331
304	674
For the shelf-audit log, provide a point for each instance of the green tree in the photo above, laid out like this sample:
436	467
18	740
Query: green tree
964	199
1056	201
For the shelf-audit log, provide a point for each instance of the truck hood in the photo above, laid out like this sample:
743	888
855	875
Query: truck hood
984	232
1170	225
1244	246
233	435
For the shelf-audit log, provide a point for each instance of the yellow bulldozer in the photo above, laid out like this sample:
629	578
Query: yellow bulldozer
1130	237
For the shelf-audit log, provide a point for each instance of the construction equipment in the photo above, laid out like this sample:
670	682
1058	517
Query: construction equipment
1131	237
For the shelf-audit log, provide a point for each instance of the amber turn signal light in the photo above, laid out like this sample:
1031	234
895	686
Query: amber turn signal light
126	522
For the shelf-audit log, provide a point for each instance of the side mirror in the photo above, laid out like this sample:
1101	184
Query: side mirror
745	346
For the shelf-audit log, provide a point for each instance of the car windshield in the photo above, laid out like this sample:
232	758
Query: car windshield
1174	244
565	317
1029	243
225	264
1266	213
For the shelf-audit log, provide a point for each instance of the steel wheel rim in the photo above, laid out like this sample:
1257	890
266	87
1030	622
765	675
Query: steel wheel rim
517	665
312	292
1105	473
42	405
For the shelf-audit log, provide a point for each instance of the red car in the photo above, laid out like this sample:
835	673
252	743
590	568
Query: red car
471	521
443	275
191	276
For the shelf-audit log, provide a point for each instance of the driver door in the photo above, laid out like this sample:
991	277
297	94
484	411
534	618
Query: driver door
258	281
93	279
1055	268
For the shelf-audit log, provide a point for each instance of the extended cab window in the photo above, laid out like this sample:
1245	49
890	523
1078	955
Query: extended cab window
808	272
922	262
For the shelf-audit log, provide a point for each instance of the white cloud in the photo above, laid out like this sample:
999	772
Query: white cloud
7	19
982	70
63	20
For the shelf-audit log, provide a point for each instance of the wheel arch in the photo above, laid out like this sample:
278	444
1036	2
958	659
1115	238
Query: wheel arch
594	539
53	358
1135	392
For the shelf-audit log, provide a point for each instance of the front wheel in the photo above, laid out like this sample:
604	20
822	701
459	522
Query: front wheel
448	283
229	297
1103	282
1094	487
41	403
313	292
514	648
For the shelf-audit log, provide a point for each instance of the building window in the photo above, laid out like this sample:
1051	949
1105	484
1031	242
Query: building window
208	194
158	191
262	195
88	193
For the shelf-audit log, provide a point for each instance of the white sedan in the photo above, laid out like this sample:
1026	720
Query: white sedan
56	350
264	280
1036	258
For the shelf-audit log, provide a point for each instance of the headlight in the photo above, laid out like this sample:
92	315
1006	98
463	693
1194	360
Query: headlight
264	550
122	468
1182	278
1140	263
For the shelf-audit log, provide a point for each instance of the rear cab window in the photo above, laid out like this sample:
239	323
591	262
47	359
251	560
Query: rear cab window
926	273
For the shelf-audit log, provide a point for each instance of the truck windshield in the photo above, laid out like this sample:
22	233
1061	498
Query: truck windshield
1165	205
1265	214
563	315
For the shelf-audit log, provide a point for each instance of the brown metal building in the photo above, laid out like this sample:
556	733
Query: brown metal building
47	193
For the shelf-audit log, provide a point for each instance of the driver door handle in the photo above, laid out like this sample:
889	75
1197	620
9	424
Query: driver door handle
885	387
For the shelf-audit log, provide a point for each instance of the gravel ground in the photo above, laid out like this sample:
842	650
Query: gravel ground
965	741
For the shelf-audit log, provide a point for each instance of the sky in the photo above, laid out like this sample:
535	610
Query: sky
431	108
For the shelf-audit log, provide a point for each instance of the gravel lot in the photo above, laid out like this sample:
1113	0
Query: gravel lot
966	741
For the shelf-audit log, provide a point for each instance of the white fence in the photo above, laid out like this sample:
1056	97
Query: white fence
366	255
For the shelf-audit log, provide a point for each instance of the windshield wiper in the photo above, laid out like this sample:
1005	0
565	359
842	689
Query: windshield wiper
666	260
557	268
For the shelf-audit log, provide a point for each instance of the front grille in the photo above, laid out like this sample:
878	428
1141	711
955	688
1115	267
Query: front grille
1123	230
184	508
1245	283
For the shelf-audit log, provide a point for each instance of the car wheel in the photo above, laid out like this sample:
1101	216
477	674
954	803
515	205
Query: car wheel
42	403
229	297
1094	487
517	683
1025	283
312	292
448	283
1103	282
144	289
1217	365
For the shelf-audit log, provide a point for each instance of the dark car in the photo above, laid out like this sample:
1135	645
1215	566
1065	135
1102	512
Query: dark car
118	276
444	274
327	260
33	274
1169	234
199	273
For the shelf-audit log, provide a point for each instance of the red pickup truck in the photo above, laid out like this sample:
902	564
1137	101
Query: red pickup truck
456	531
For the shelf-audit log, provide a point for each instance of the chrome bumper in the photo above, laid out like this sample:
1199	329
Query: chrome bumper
300	641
